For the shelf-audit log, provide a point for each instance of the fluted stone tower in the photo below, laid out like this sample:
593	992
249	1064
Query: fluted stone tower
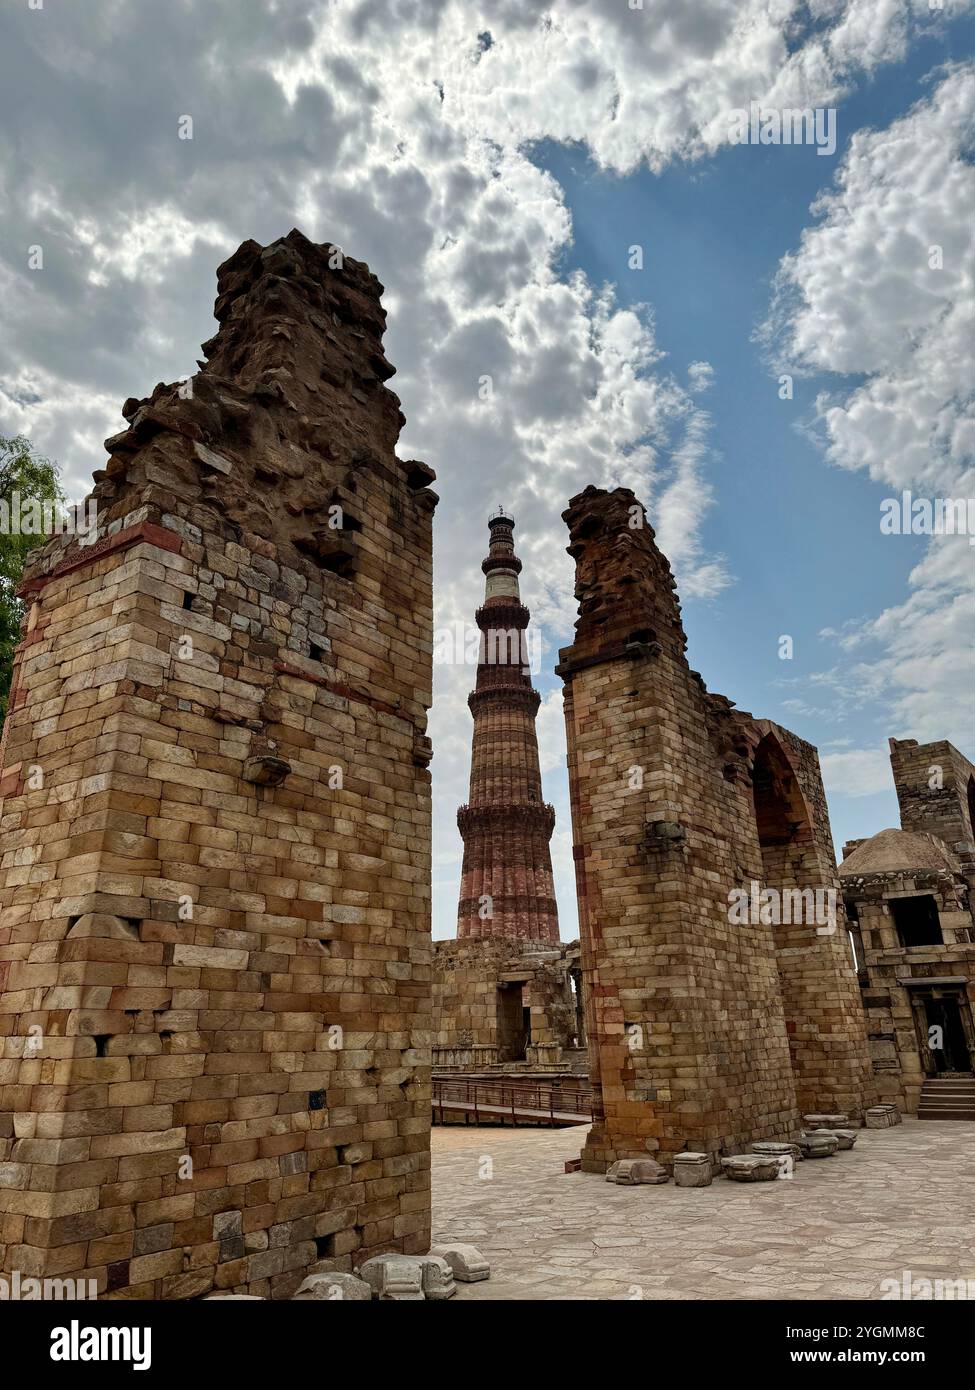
506	887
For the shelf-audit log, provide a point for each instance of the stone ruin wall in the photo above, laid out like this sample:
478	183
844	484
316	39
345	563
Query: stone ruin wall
468	977
690	1016
931	781
820	990
214	913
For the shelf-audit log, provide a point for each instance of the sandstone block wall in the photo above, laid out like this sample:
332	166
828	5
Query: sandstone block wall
688	1015
469	1015
934	784
214	907
817	972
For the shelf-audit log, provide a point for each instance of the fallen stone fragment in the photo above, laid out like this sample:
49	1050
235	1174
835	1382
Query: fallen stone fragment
820	1145
333	1287
250	1297
467	1263
826	1121
751	1167
395	1277
845	1138
882	1116
693	1170
633	1172
437	1278
777	1148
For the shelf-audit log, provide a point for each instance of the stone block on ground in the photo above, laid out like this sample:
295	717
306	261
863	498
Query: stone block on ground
751	1167
845	1138
437	1277
693	1170
821	1145
395	1277
826	1121
881	1116
467	1263
634	1172
777	1148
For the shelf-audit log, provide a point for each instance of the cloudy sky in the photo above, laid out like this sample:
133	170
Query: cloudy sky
550	193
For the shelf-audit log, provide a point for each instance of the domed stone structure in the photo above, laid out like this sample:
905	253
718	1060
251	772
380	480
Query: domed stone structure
908	897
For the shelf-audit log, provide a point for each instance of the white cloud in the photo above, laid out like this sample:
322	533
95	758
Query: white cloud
398	132
862	297
861	772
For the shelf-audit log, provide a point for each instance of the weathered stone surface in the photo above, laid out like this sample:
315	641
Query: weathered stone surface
224	968
333	1287
913	890
480	987
845	1138
881	1117
438	1278
634	1172
751	1167
774	1148
695	803
693	1170
821	1145
825	1121
395	1277
467	1263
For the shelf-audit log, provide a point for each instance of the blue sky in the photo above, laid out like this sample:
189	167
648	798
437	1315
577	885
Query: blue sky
802	538
494	187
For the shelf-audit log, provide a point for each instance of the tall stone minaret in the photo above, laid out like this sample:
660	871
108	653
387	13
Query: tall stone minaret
506	886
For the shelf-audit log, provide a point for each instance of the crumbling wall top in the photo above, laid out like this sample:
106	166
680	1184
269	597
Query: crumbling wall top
286	419
626	591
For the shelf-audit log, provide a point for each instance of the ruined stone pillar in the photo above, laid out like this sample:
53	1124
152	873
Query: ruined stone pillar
820	990
686	1031
215	874
506	884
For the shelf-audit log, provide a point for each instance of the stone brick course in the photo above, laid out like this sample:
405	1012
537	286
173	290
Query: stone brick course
704	1033
214	906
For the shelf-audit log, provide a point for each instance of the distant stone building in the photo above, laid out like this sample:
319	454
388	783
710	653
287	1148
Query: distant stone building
506	991
909	896
722	1001
507	1006
215	873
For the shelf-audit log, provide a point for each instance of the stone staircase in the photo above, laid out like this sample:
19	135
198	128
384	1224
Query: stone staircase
947	1098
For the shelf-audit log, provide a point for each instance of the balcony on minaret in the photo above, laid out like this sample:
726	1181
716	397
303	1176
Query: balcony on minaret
506	887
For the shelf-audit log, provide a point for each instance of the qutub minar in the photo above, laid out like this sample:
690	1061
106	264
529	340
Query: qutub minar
506	885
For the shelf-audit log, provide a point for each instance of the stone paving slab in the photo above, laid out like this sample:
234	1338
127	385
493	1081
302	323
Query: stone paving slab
903	1199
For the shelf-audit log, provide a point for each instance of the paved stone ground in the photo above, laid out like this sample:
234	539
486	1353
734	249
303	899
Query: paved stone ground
903	1199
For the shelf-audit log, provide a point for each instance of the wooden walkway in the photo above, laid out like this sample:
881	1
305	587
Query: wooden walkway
496	1102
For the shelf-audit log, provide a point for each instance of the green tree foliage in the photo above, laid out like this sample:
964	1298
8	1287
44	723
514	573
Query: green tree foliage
31	478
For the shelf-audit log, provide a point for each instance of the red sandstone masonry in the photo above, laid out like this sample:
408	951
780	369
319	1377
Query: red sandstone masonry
506	882
188	1118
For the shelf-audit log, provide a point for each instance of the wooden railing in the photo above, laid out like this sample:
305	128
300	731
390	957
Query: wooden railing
521	1100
